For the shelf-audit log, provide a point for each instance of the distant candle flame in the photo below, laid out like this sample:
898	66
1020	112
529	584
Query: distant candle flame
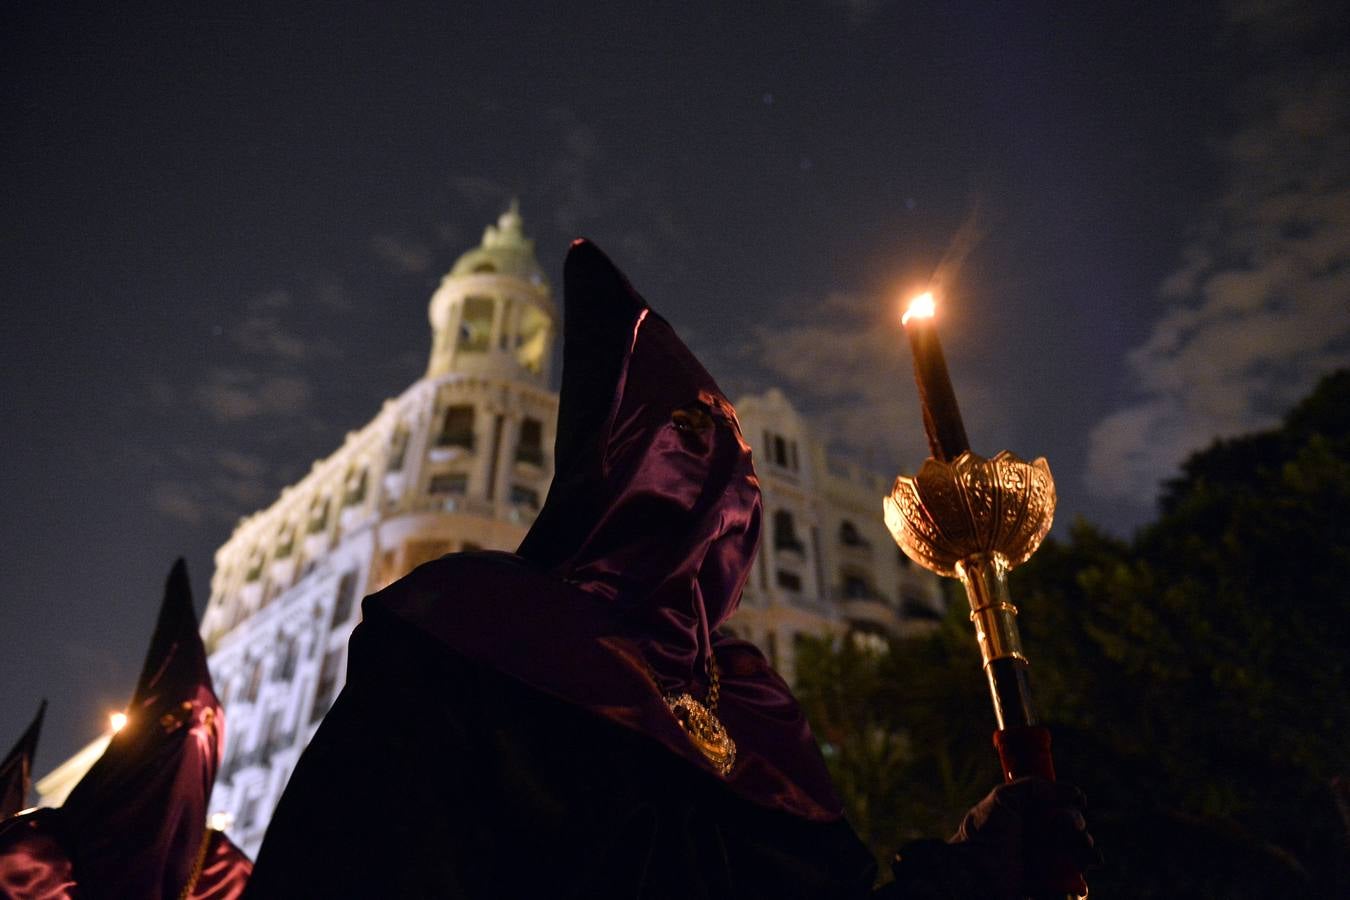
921	307
117	721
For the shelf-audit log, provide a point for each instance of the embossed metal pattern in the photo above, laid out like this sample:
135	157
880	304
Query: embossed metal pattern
952	510
705	731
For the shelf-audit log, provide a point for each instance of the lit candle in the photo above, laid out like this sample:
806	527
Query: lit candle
117	721
941	416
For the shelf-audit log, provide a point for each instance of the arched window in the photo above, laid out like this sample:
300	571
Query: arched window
456	427
290	652
355	488
532	340
255	566
785	532
318	516
398	449
346	598
328	679
849	535
285	542
524	496
254	681
856	586
530	447
914	607
475	325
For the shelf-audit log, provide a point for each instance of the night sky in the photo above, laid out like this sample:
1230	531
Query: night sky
221	231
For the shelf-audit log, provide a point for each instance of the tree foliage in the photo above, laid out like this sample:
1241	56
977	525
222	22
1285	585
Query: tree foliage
1195	678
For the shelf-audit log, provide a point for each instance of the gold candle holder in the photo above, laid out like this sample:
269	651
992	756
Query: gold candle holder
967	517
976	519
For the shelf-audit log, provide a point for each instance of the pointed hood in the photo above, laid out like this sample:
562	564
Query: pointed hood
16	772
654	506
137	820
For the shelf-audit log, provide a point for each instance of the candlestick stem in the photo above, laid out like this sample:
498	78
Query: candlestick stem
994	616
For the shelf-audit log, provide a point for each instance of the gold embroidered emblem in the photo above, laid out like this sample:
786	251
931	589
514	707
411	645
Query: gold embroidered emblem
704	729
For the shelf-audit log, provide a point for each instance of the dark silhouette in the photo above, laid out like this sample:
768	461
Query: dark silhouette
135	825
16	771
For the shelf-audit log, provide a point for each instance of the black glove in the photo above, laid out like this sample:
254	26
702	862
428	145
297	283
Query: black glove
1004	846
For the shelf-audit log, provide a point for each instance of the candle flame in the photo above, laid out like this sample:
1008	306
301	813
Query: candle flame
117	721
921	307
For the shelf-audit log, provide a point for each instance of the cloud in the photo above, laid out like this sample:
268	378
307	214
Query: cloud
219	498
572	187
330	293
845	366
243	465
269	371
848	368
1256	310
176	501
229	485
253	398
478	191
261	332
235	394
404	254
240	495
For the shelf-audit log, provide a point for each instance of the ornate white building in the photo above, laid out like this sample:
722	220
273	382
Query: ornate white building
826	563
462	460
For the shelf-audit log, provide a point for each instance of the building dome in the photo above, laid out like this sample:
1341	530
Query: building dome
493	315
505	251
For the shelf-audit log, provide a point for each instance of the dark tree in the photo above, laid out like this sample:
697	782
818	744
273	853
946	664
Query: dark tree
1195	677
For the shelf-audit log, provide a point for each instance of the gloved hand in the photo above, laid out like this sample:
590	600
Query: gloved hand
1004	846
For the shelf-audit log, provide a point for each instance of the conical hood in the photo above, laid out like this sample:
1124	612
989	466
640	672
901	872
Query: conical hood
16	772
654	504
601	314
138	817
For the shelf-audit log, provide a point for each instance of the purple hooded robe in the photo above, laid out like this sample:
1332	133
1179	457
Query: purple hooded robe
135	825
504	729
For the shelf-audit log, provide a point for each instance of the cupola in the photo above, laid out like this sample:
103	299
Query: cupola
493	314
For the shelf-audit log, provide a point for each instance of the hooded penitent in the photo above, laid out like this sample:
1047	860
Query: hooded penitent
135	825
515	724
16	771
647	538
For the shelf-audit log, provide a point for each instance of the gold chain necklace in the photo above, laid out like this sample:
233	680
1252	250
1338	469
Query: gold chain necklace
196	872
701	724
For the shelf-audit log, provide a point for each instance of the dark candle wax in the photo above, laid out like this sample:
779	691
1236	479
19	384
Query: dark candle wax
941	416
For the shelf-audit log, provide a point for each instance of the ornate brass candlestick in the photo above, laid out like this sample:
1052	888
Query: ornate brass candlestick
976	519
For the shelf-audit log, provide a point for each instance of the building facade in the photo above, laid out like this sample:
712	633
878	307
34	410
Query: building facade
826	563
462	460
